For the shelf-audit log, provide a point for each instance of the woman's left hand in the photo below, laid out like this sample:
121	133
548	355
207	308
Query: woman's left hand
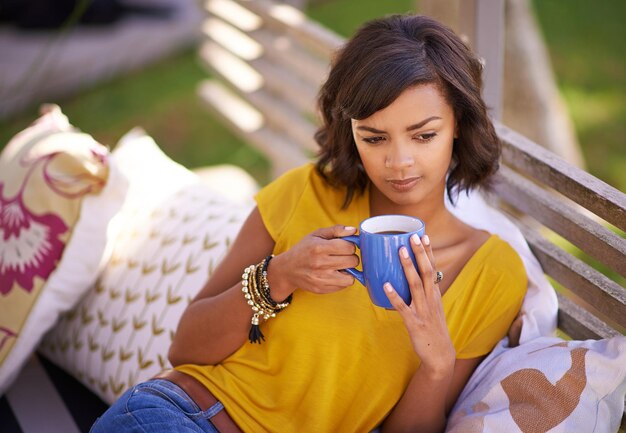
424	318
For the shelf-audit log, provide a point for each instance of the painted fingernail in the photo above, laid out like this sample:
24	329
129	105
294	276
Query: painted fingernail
404	252
416	239
350	228
388	288
426	240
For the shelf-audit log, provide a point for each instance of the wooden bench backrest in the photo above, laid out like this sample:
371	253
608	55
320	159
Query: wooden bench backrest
268	62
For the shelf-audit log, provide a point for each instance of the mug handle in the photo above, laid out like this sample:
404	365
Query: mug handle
355	272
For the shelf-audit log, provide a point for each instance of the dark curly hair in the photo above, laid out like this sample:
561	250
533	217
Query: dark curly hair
385	57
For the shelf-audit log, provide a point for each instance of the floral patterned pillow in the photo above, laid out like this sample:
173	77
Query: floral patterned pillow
175	228
58	193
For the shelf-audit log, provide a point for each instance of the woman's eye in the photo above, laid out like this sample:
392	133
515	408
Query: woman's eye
373	140
426	137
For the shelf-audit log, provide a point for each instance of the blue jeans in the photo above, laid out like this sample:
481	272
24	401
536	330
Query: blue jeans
156	406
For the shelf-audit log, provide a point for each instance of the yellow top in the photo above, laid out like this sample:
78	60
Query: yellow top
336	362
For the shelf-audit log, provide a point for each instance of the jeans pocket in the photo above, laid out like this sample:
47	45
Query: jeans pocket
153	393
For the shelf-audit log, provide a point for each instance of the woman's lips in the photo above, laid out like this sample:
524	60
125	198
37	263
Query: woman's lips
402	185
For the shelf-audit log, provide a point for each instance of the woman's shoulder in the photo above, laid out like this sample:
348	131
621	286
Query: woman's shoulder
297	175
496	275
498	250
300	183
485	247
478	252
498	257
289	184
300	191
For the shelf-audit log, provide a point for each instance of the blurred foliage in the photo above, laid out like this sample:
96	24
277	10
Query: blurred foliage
345	16
588	55
586	44
160	98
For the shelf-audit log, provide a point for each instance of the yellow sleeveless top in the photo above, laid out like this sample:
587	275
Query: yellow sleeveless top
336	362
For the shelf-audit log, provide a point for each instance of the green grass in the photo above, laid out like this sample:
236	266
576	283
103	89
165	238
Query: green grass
161	99
585	41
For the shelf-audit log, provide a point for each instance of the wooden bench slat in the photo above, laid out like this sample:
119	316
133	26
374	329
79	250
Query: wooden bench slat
237	113
234	13
576	184
288	52
284	54
256	73
293	22
296	92
608	297
231	68
282	118
566	220
230	108
231	38
576	322
275	110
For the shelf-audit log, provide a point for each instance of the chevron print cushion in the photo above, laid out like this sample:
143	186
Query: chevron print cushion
174	229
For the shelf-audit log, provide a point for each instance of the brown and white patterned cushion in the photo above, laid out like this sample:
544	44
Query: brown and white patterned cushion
547	384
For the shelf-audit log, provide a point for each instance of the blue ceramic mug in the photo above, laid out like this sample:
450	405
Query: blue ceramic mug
379	240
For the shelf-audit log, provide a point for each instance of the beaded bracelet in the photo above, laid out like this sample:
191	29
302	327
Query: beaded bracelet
265	285
256	290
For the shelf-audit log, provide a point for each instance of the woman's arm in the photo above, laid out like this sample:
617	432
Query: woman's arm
428	399
217	322
439	379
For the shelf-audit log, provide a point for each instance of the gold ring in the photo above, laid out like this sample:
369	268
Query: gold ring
439	277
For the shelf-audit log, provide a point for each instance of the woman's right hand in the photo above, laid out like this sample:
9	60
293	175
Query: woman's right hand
314	264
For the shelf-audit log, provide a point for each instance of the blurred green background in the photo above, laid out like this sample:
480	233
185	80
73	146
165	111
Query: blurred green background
585	41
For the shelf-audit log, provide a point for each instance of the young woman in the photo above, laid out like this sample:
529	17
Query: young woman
403	125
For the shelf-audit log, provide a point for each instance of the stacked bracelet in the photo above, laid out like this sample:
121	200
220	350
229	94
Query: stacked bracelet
256	290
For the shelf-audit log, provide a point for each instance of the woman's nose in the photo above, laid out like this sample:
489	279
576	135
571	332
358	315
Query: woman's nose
399	159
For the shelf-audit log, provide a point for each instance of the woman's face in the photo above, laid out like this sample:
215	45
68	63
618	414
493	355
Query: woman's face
406	148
